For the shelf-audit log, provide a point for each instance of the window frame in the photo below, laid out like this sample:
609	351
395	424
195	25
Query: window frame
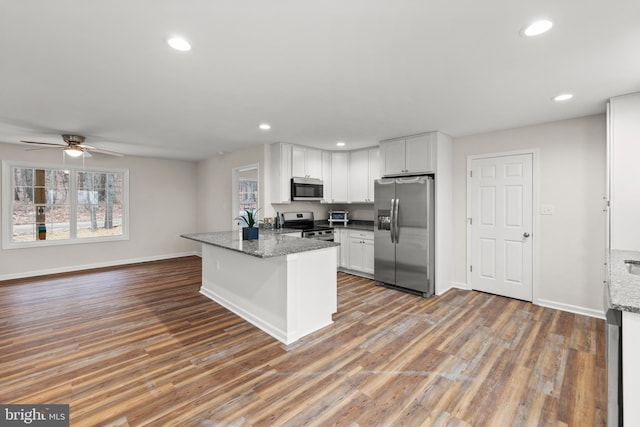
7	205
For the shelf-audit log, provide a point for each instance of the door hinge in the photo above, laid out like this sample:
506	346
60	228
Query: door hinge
471	268
470	221
471	174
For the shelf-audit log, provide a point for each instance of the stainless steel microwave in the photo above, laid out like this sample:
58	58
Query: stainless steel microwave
309	189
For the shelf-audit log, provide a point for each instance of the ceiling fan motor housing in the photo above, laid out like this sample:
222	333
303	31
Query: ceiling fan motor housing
73	139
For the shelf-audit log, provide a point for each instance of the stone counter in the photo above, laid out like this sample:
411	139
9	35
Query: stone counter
624	287
271	243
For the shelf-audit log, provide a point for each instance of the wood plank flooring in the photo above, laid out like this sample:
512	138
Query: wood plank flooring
138	345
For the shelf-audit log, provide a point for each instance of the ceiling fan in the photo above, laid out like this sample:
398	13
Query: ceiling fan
75	147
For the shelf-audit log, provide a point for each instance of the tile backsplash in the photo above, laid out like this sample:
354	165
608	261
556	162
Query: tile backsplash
359	211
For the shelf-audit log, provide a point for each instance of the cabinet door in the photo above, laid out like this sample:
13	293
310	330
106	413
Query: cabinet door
344	248
280	173
393	157
624	151
326	177
356	258
367	257
314	163
359	176
419	155
374	171
339	177
298	155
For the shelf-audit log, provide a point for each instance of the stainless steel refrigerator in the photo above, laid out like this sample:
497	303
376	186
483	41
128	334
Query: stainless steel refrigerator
404	233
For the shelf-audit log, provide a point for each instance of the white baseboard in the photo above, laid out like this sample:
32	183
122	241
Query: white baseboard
459	285
72	268
571	308
456	285
545	303
356	273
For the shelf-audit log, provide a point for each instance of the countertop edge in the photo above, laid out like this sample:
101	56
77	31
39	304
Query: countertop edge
297	244
624	288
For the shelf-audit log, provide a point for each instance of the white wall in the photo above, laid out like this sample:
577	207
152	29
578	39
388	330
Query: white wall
161	201
571	242
214	193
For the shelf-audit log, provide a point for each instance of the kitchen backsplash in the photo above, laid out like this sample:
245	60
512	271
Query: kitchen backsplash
362	212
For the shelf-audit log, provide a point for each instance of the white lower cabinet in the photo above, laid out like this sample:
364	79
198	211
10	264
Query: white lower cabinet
344	248
357	251
337	239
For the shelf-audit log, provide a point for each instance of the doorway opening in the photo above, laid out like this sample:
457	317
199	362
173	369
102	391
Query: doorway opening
245	182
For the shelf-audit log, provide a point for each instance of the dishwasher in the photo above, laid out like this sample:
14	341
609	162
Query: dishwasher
614	361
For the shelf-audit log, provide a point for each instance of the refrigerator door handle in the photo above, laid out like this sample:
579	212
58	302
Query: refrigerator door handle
395	219
391	231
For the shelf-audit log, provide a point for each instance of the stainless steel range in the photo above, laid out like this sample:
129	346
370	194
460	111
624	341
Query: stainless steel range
304	221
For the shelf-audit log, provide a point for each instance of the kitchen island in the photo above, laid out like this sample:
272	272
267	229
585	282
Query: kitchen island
286	286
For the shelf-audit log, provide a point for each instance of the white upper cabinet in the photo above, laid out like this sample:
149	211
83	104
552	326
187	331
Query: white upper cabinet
624	174
393	157
348	176
306	162
326	176
280	172
410	155
364	170
374	169
359	176
339	177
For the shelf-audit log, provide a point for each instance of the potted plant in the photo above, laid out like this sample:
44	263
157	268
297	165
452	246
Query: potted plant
250	224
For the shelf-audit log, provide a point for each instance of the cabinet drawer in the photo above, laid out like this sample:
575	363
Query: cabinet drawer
367	235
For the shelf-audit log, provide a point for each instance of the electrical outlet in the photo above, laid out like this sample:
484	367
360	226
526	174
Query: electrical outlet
547	210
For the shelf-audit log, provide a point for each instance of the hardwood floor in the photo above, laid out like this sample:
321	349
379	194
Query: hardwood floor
138	345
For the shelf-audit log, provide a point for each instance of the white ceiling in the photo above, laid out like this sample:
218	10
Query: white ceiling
317	71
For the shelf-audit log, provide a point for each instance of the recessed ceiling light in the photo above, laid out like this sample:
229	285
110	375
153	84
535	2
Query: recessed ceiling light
536	28
563	97
265	126
179	43
340	143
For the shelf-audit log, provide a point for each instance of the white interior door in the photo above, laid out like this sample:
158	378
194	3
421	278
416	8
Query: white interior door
501	225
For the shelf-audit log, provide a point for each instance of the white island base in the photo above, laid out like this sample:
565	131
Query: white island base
287	296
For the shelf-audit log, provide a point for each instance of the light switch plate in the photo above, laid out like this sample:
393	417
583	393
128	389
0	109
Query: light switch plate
547	210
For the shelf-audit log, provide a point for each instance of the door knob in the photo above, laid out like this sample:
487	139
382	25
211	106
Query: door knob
526	234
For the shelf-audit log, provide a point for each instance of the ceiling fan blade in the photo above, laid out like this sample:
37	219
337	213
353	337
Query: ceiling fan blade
44	148
110	153
44	143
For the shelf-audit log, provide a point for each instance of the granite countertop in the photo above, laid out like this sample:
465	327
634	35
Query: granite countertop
624	287
271	243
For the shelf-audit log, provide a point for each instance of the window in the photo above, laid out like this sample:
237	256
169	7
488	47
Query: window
50	205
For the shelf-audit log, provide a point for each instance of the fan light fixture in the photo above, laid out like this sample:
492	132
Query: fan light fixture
74	151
